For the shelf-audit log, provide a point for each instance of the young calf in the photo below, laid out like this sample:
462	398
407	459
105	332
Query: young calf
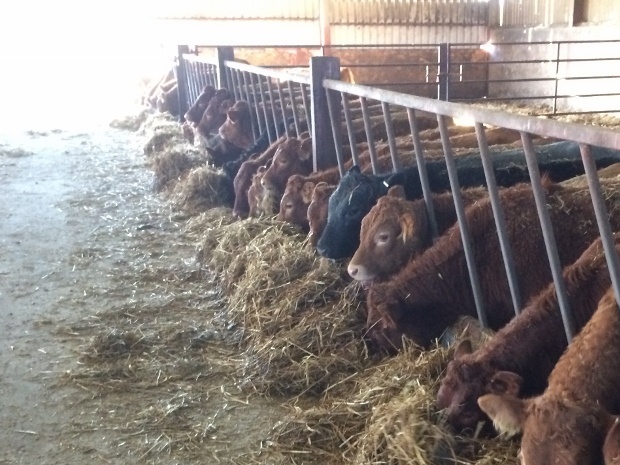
317	211
234	136
396	230
434	289
245	174
294	156
519	358
567	424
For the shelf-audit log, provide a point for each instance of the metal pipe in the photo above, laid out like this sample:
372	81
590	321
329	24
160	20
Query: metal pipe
351	133
287	131
372	150
249	100
335	123
549	237
294	107
500	220
273	107
389	129
255	92
270	130
460	214
305	89
422	172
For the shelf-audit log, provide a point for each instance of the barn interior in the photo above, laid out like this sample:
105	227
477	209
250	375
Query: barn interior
144	321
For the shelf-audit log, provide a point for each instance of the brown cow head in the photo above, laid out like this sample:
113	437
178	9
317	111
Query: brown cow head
465	381
295	201
195	112
255	192
237	128
294	156
241	184
215	113
611	448
317	211
392	232
555	429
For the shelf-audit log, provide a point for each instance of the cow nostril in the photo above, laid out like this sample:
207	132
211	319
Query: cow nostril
353	270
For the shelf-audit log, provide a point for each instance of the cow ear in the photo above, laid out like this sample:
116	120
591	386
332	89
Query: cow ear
354	170
463	348
396	178
305	149
306	192
505	382
611	448
507	412
304	135
397	191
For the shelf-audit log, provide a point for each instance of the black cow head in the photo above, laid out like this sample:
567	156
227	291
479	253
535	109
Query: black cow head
351	201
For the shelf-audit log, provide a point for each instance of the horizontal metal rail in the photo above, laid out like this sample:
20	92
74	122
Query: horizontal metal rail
268	72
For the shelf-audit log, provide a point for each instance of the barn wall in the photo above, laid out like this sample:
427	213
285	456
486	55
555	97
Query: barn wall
503	38
511	13
287	22
601	11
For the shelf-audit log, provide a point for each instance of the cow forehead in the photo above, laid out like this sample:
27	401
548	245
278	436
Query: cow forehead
348	186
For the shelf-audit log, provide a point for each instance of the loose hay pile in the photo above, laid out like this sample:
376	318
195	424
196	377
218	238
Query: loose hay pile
132	122
302	326
205	187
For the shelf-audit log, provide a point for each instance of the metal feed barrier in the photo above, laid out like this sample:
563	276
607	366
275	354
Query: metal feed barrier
330	102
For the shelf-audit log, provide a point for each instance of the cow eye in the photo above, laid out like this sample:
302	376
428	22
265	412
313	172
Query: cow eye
354	212
383	238
288	206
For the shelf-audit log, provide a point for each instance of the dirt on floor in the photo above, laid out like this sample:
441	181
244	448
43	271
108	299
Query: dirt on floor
88	255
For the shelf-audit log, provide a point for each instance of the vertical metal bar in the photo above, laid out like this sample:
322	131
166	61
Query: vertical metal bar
190	81
347	117
235	77
270	128
306	102
323	151
372	150
549	237
335	123
244	87
444	72
212	76
273	107
283	108
182	80
500	220
294	108
202	75
256	92
557	70
224	54
421	164
249	99
602	219
389	129
460	214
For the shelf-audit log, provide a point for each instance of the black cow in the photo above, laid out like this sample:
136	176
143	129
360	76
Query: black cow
357	192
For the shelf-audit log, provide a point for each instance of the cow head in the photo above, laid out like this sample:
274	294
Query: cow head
295	201
255	192
392	232
465	381
195	112
555	429
351	201
215	113
317	211
294	156
237	127
241	184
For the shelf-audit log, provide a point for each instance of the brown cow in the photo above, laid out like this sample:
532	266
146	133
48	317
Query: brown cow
194	114
255	192
237	128
611	448
317	211
396	230
215	114
567	424
294	156
431	291
243	178
527	348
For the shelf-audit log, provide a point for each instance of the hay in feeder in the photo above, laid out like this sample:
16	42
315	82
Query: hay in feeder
174	161
302	326
161	136
214	218
132	122
203	188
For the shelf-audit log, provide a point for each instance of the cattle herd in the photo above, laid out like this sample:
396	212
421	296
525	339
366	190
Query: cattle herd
526	379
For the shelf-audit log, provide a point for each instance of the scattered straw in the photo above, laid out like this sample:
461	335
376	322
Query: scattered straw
173	161
132	122
203	188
